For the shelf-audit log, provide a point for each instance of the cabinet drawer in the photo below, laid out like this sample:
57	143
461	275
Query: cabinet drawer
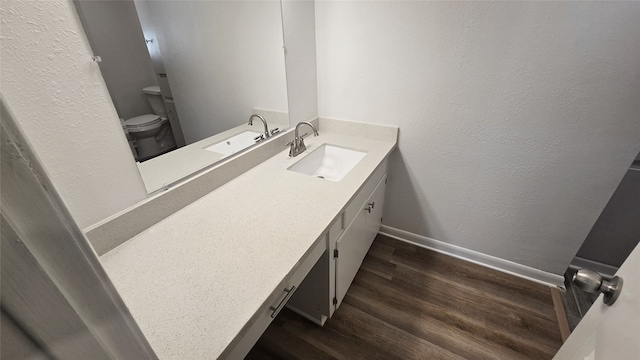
356	204
275	303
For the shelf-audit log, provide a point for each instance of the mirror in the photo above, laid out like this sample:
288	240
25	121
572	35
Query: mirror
186	76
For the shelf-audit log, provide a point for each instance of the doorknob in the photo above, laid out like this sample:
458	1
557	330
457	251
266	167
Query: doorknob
591	281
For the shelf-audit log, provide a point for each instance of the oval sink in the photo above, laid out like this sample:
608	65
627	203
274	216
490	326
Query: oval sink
329	162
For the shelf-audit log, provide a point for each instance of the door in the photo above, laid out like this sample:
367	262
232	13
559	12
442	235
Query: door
374	213
52	285
352	247
610	332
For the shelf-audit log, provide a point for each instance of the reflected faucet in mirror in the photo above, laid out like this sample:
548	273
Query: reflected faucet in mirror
266	128
266	133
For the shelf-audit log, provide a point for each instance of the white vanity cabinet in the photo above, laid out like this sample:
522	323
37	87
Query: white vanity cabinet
316	288
206	282
348	241
356	240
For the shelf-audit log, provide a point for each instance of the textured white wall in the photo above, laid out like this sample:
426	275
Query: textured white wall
115	34
223	59
59	99
517	120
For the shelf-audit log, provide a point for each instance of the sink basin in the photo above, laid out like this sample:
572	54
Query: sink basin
329	162
234	143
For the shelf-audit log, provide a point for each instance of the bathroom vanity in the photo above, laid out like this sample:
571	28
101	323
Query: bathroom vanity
207	281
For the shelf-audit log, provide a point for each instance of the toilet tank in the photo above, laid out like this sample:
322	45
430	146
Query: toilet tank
154	96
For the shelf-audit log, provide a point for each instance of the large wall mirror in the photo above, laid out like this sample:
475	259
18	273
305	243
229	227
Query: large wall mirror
186	76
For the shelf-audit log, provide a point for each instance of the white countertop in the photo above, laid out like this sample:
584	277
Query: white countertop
196	278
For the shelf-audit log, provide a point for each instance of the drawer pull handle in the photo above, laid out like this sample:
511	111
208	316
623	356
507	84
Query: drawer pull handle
370	206
276	310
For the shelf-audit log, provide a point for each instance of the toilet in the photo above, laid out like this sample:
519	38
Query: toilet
151	132
154	97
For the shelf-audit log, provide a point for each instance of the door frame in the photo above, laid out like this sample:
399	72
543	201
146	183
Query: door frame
50	270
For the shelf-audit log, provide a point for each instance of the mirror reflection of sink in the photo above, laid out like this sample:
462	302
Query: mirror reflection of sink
234	143
329	162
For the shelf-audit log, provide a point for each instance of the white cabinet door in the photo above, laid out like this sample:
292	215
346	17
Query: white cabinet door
375	205
610	332
352	247
356	240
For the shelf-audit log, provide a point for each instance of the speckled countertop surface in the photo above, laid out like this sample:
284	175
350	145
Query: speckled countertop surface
196	278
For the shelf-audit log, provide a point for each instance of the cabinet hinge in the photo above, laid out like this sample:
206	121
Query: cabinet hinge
335	301
335	253
385	180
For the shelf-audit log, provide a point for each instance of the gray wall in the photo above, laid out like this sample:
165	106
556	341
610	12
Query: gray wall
222	59
115	34
617	231
517	119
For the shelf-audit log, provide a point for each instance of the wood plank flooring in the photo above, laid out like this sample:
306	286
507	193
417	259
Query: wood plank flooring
411	303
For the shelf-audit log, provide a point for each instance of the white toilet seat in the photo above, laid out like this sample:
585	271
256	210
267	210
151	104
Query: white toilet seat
144	123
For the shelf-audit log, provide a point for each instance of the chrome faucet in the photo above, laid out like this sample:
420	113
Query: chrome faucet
297	144
266	128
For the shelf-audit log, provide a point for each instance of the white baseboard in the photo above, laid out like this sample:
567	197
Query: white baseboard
492	262
595	266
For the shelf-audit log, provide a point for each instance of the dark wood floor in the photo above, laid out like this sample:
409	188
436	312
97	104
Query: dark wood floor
411	303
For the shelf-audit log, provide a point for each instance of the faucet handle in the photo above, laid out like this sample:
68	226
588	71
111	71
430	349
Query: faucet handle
275	131
292	148
293	141
301	146
259	138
